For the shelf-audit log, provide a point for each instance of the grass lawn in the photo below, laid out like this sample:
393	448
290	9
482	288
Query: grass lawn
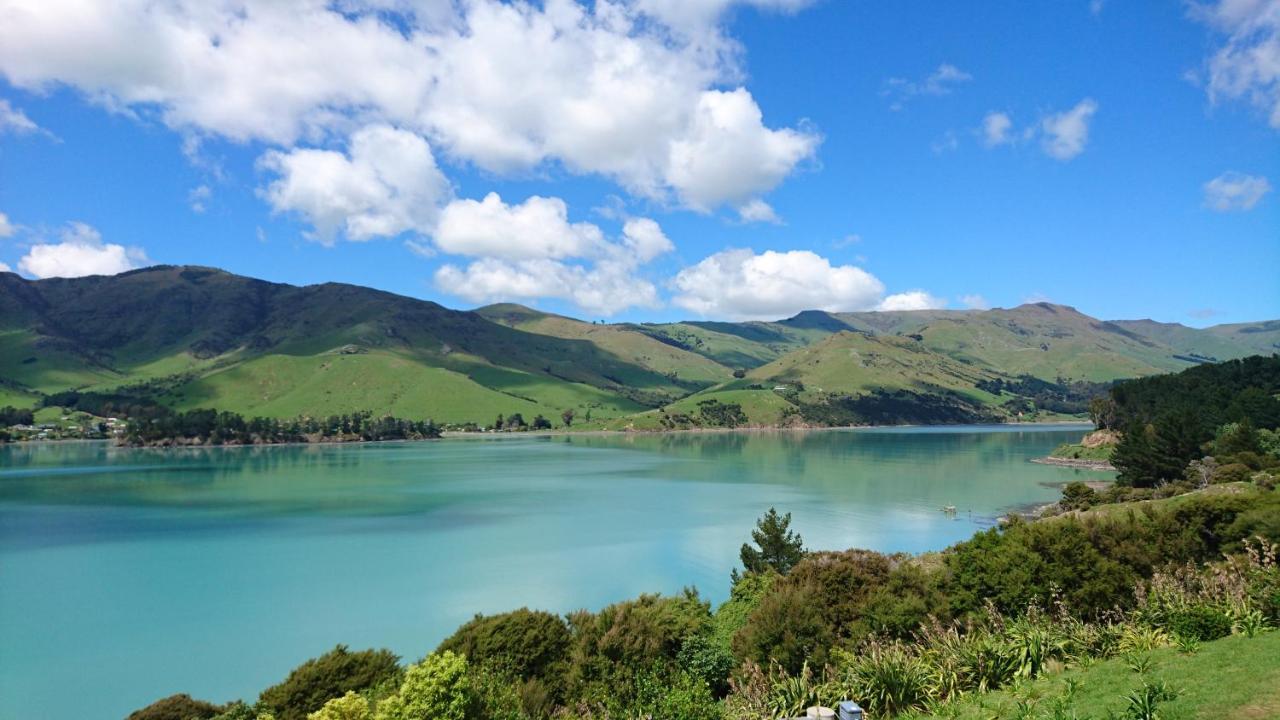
1236	678
1076	451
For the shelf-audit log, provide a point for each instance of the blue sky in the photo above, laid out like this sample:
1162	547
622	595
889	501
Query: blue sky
657	159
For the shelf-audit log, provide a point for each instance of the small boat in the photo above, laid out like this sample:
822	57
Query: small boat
949	509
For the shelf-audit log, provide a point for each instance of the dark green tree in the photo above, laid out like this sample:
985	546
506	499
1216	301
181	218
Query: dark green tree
567	417
777	548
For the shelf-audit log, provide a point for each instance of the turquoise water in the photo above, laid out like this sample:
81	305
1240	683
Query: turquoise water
127	575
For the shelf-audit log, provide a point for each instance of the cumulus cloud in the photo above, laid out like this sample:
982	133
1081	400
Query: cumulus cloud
79	252
530	251
7	228
1246	67
911	300
942	81
1235	191
537	228
975	302
1066	133
642	92
757	210
728	155
741	284
4	267
385	184
997	129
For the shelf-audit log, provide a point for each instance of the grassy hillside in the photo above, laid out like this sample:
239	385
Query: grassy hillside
1235	678
201	336
623	341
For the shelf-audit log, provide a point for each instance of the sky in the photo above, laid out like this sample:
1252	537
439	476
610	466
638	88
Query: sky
658	159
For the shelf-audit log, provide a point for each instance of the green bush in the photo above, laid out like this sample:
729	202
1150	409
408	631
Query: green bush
523	643
1234	472
701	657
176	707
438	688
788	628
1199	622
329	676
632	635
348	707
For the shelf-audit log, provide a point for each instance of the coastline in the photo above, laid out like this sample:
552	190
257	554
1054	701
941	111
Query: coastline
1079	464
754	429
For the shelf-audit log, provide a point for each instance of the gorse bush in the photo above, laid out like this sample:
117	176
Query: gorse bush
329	676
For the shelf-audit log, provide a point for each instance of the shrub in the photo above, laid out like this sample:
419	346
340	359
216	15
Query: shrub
176	707
329	676
1077	496
438	688
522	643
704	659
744	597
1199	622
632	635
1233	472
348	707
787	628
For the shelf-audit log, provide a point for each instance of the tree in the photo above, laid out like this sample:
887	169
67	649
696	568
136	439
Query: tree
541	423
567	417
1077	496
1102	411
321	679
515	421
779	548
497	424
176	707
437	688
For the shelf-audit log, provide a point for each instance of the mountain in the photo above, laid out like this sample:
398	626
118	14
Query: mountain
191	337
216	339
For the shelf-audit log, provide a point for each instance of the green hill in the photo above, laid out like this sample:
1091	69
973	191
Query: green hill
192	337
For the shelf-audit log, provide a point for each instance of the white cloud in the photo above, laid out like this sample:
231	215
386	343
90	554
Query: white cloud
385	184
7	228
997	129
531	251
627	90
80	252
1247	65
728	155
1096	6
975	302
198	198
1066	133
940	82
537	228
5	268
911	300
757	210
741	284
13	120
644	240
1235	191
604	288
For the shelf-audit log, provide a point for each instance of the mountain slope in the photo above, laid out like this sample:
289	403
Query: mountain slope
210	334
192	337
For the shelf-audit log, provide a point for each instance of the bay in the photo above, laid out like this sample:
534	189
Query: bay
130	574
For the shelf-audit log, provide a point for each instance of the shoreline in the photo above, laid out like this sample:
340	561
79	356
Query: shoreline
1077	463
755	429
